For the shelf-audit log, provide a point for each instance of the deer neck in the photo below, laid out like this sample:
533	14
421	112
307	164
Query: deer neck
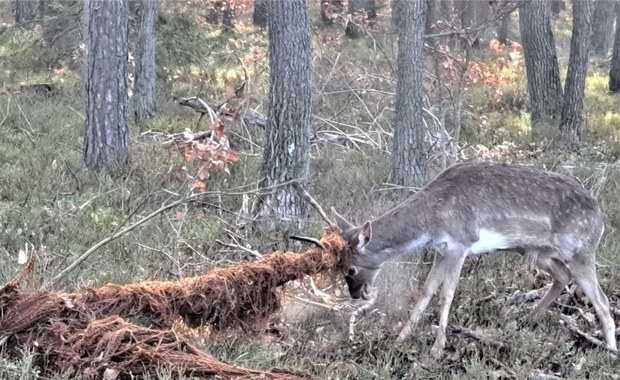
402	229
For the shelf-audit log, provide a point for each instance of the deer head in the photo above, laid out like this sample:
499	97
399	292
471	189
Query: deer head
363	270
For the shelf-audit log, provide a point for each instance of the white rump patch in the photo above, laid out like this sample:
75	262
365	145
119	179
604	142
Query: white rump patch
488	241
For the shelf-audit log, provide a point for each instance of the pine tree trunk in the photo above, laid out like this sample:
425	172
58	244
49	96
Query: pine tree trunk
228	16
106	141
541	63
26	11
556	6
572	119
614	71
409	150
502	31
395	19
286	154
259	16
145	104
603	27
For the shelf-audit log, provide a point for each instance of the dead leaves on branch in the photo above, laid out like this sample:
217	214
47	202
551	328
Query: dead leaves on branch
207	156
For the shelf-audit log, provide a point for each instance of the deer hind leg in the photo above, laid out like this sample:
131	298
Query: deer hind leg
557	269
453	272
584	271
433	280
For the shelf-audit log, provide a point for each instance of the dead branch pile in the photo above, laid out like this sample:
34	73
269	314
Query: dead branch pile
85	332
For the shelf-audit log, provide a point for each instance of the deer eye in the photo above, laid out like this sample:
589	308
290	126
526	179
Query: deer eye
352	271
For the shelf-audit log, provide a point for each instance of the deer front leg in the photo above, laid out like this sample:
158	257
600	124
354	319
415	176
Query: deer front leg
433	280
453	267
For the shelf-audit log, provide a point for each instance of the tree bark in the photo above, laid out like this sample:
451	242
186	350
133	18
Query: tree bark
145	104
395	19
286	154
557	6
26	11
603	27
502	31
541	63
356	7
571	126
409	150
259	17
228	16
106	141
329	8
614	71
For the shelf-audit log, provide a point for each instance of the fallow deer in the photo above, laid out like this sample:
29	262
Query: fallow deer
475	208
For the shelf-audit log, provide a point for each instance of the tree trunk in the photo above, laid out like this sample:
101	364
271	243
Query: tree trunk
557	6
106	141
329	8
409	151
259	17
469	12
466	12
145	104
602	29
286	154
228	16
541	63
572	119
614	71
395	19
433	14
356	9
26	11
502	31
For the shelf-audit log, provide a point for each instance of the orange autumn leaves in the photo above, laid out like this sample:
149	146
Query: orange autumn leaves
207	156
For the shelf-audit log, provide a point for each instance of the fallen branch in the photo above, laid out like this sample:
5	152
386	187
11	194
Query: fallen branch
366	306
115	236
184	137
520	297
570	324
468	333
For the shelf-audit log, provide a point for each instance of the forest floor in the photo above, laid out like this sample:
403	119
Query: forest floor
50	204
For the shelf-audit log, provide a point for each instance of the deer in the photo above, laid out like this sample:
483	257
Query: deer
476	208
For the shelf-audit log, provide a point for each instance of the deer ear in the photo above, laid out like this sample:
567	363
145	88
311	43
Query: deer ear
364	235
341	222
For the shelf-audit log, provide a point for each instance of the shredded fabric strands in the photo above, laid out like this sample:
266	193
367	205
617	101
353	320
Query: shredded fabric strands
85	332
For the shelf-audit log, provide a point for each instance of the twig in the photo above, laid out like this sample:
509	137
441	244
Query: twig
8	103
503	366
246	78
308	198
543	376
520	297
367	305
575	330
313	303
115	236
252	252
491	20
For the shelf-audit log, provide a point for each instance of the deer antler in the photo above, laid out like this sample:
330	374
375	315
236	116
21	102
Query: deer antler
308	198
307	240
